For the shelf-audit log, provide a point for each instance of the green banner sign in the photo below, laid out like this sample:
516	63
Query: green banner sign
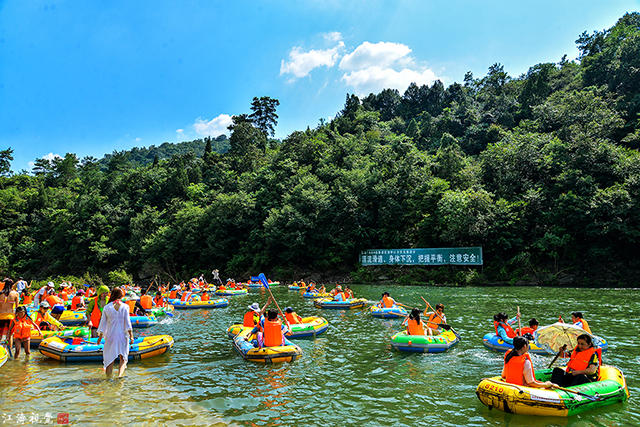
422	256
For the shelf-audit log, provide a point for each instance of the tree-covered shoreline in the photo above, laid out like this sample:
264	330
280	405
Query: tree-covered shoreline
542	171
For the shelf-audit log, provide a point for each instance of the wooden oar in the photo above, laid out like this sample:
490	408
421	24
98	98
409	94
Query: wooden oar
568	390
519	324
562	349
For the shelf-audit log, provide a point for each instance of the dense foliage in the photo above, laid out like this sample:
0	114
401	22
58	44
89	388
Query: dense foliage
542	170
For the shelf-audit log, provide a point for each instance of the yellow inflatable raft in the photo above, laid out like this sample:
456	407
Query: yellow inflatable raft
610	388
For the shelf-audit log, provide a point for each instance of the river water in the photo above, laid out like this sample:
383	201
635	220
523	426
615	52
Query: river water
348	375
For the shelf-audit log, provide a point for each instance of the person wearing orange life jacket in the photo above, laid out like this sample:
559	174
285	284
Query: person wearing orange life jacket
348	293
44	292
337	293
386	301
503	327
527	332
174	293
20	331
518	368
253	317
63	294
435	318
27	298
273	331
145	300
578	320
292	317
158	300
77	302
54	301
414	325
43	318
583	366
94	309
204	296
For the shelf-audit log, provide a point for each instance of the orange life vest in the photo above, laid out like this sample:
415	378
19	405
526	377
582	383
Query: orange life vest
158	301
585	325
39	318
146	302
580	359
510	332
75	302
293	318
413	328
515	368
64	296
173	294
54	300
272	333
222	288
249	319
96	314
434	320
21	328
204	297
132	306
28	299
387	302
526	330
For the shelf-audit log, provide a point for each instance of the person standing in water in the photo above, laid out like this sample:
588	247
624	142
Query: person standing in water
115	325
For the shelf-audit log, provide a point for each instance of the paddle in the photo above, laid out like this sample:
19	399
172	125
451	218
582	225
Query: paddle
441	324
263	279
519	324
562	349
592	398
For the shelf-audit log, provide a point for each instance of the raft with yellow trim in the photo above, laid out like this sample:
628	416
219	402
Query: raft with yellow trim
73	318
294	287
68	349
283	353
610	388
316	294
340	305
388	313
4	355
310	327
231	292
494	342
424	343
212	303
76	331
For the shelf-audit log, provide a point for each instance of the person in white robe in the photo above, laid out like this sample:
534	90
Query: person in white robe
115	325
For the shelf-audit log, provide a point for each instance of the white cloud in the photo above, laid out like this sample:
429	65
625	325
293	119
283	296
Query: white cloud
301	63
180	131
49	157
214	127
138	139
333	36
374	79
382	54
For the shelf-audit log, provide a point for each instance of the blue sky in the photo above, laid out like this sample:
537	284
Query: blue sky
91	77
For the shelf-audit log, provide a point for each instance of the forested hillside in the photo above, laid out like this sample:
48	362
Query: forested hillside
542	170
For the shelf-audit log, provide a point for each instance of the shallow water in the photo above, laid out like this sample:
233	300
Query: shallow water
348	375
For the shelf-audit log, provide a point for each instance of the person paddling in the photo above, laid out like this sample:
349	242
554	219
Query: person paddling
503	327
518	368
254	315
435	318
527	332
583	366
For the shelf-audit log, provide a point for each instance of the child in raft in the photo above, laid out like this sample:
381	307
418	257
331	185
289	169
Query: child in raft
518	368
386	301
348	293
527	332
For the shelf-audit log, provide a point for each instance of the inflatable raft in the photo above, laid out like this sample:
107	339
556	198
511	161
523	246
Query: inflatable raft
340	305
231	292
161	311
85	350
284	353
388	313
143	321
4	355
294	287
610	388
315	295
424	343
73	318
310	327
76	331
494	342
212	303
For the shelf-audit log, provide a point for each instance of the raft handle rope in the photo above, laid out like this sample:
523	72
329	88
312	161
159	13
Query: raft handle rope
596	397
